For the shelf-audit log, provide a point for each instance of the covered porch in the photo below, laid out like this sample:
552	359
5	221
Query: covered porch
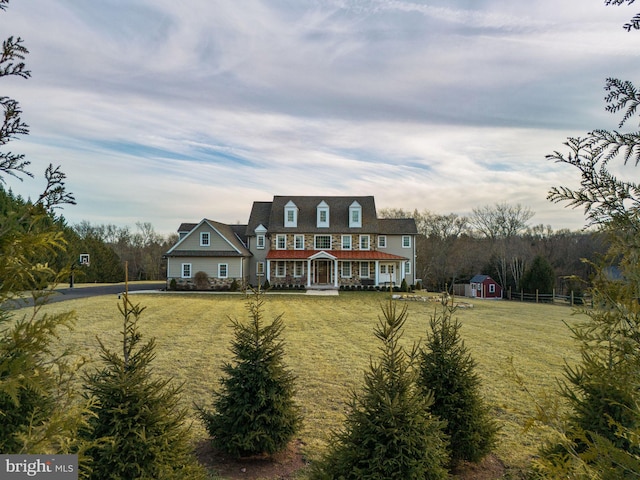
334	268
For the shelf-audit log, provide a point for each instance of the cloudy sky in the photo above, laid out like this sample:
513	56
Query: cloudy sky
162	111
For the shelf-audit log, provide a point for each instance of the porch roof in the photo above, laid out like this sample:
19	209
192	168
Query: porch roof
345	255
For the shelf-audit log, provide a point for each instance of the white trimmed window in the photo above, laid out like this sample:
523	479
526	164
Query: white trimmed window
223	270
364	269
364	242
406	241
299	242
186	270
407	268
260	268
382	241
260	241
290	215
355	215
298	269
322	242
322	212
205	239
281	269
281	242
492	288
346	269
346	242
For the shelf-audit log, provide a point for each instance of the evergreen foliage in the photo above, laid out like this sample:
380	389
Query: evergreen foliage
539	276
599	437
38	412
138	427
254	412
389	432
447	371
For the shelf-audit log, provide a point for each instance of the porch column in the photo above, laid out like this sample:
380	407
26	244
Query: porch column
377	272
308	273
335	273
268	272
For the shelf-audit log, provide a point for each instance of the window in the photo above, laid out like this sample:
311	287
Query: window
492	288
186	270
382	241
364	242
281	242
280	269
364	269
290	215
346	242
298	269
84	259
260	241
322	215
223	270
355	215
299	242
407	268
322	242
205	239
346	269
406	241
260	268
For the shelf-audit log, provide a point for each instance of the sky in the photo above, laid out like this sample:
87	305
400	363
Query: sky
167	112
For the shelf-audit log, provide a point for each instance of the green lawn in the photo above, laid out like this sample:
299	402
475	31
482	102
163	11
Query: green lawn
329	341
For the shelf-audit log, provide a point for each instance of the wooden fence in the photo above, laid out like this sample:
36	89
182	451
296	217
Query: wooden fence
554	298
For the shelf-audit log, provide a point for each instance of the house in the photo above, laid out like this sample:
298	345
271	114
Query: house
483	286
311	241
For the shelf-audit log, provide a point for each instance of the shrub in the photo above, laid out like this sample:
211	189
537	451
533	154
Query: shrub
201	280
403	286
448	372
234	285
389	432
173	285
138	428
254	412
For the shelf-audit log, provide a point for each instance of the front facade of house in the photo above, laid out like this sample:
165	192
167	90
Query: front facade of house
313	241
483	286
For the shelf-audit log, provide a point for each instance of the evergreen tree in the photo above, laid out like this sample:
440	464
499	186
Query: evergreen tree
447	371
599	437
254	412
38	413
539	276
389	432
138	427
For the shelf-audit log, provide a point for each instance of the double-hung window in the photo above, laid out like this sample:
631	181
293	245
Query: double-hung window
260	241
299	242
281	242
382	241
186	270
223	270
298	269
364	242
364	269
205	239
406	241
346	269
346	242
281	270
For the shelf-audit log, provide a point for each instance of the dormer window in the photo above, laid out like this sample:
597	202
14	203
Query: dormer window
322	215
290	215
355	215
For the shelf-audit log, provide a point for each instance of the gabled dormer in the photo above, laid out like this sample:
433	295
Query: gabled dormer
355	215
322	215
260	236
290	214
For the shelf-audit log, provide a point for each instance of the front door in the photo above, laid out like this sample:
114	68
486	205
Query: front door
322	272
387	273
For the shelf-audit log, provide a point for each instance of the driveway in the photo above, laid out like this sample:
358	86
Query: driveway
65	294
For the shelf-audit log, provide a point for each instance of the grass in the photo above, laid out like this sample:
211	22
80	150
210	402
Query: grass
329	341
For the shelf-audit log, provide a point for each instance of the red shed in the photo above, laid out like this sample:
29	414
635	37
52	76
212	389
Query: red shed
483	286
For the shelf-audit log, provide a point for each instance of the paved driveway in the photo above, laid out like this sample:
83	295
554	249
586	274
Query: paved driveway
64	294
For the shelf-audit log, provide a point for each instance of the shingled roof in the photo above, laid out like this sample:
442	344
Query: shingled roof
271	216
